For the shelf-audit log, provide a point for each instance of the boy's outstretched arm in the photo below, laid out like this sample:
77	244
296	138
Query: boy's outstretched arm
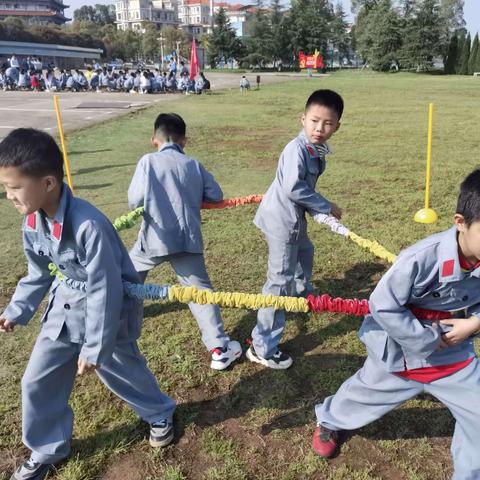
104	295
296	187
212	191
136	190
30	289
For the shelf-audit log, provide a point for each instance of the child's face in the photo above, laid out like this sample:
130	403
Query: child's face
28	194
469	237
320	123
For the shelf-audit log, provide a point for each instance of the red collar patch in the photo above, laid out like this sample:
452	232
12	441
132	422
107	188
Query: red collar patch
312	151
447	268
32	221
57	230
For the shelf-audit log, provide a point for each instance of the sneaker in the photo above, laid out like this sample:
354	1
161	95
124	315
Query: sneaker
325	441
30	470
278	361
222	358
161	433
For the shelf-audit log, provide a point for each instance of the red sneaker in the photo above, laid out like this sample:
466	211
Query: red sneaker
325	441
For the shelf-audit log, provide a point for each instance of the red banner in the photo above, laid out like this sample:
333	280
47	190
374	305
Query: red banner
310	61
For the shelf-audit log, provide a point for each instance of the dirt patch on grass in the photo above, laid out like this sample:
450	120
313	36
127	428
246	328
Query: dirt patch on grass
130	466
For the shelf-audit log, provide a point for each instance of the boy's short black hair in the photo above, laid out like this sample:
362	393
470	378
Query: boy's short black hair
170	126
326	98
468	203
33	152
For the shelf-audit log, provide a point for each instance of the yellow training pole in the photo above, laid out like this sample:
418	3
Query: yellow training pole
427	215
62	141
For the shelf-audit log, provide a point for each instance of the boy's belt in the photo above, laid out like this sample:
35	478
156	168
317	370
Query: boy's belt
433	315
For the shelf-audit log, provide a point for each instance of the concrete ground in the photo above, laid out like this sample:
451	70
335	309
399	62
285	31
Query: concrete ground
36	109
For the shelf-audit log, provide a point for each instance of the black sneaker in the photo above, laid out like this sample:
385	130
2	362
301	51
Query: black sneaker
161	433
30	470
278	361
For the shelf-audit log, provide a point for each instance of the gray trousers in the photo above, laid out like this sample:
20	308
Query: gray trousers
48	381
372	392
191	272
289	271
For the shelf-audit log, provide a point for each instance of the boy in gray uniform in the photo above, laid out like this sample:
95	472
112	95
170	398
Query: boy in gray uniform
281	217
409	355
171	187
89	324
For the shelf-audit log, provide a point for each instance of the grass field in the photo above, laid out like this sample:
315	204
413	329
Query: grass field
253	423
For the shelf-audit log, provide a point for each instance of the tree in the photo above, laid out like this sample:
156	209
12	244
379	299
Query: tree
357	5
452	55
309	27
104	14
100	14
451	12
340	38
379	35
150	44
176	36
458	64
465	56
422	35
477	61
260	41
451	15
472	62
280	42
86	13
222	42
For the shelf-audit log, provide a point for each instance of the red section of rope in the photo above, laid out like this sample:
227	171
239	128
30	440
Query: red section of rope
354	306
233	202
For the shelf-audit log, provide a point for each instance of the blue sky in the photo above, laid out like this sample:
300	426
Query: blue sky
472	10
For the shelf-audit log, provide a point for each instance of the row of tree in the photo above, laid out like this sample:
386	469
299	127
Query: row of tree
463	56
408	34
276	35
387	34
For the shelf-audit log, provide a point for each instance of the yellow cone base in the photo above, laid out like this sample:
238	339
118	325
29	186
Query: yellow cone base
426	215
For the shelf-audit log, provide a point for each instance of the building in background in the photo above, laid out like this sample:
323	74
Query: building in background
34	11
134	14
62	56
194	16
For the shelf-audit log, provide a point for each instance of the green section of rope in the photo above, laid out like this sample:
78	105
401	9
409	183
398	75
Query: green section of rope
128	220
55	272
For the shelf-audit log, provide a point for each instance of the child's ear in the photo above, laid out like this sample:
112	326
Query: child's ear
460	223
154	142
51	182
338	127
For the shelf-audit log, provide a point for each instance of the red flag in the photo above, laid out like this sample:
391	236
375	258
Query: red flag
194	68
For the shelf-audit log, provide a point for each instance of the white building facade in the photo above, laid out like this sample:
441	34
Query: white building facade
134	14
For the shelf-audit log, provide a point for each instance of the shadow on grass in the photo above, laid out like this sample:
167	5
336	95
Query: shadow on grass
82	171
93	187
155	309
83	152
3	195
296	391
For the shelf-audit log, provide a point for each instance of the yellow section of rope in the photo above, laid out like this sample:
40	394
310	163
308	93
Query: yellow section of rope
237	299
373	246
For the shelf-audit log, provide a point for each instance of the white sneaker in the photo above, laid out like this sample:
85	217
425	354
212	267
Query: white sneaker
278	361
223	357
